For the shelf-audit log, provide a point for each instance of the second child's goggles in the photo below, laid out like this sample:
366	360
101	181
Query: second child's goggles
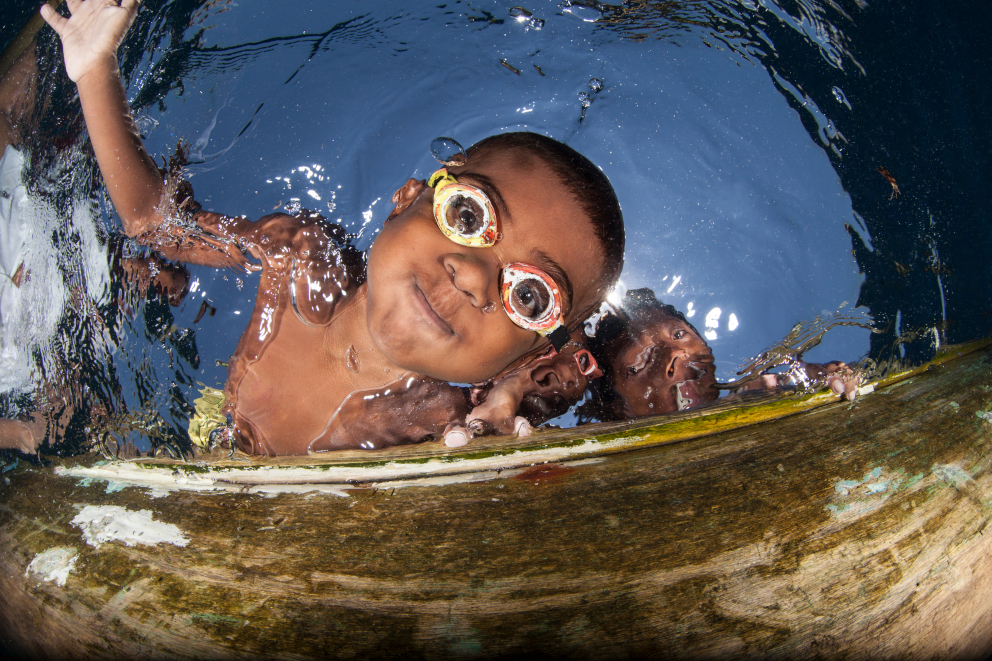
530	296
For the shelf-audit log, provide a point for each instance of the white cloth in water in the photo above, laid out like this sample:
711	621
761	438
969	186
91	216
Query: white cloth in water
30	313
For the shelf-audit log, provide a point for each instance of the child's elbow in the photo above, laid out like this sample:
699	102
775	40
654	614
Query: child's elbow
137	225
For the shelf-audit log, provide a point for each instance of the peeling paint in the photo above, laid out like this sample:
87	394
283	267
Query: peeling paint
336	480
855	498
951	474
55	564
101	524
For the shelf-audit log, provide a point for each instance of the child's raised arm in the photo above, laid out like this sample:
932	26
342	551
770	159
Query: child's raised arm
90	37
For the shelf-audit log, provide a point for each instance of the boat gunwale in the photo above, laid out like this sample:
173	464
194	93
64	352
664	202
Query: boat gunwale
489	457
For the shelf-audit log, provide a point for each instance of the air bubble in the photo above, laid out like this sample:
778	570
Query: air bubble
596	85
448	152
293	207
585	100
589	11
499	236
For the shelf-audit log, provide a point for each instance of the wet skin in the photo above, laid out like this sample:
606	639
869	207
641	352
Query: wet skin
307	354
428	295
320	349
668	368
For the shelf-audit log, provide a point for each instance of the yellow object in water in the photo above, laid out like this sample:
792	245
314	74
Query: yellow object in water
209	416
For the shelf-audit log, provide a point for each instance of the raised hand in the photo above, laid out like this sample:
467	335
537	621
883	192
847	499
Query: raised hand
92	33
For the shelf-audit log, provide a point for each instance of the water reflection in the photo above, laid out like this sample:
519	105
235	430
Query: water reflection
735	207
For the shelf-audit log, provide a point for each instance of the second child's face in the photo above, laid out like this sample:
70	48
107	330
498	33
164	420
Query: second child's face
668	369
434	305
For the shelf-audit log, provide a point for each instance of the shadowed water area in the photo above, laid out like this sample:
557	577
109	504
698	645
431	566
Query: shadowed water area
774	162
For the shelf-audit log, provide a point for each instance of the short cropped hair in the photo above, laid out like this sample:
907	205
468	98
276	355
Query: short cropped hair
638	304
586	182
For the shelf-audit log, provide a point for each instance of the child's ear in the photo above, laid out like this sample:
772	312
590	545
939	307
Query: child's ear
405	196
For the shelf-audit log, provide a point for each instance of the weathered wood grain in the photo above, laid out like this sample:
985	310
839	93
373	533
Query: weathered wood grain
845	531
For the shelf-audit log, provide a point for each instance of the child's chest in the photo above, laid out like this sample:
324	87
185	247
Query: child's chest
287	390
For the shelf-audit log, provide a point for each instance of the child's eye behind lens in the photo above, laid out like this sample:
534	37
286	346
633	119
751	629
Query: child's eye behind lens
464	215
530	298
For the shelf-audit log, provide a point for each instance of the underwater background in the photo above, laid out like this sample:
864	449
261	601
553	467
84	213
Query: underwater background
775	161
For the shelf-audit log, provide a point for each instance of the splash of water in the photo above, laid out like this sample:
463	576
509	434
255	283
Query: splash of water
789	351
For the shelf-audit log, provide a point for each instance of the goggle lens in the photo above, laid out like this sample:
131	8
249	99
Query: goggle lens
464	213
587	364
531	298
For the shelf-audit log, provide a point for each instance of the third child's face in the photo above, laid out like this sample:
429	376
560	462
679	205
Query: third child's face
434	306
668	369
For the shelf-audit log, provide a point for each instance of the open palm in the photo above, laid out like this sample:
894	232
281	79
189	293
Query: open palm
93	31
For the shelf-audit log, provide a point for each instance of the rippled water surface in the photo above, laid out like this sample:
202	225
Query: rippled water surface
746	141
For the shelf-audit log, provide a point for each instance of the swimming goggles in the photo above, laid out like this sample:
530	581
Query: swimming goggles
530	296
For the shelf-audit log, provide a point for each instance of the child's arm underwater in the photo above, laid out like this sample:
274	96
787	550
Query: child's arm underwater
836	375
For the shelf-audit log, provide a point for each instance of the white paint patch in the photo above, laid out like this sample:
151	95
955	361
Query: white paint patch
53	564
105	523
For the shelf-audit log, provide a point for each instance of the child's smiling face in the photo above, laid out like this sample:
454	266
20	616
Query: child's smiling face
434	305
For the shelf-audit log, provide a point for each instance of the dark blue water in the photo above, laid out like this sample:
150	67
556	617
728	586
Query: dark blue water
744	140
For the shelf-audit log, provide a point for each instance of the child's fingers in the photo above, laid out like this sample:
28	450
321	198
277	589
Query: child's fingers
521	427
54	19
455	436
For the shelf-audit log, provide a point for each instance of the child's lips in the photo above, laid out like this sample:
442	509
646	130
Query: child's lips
425	306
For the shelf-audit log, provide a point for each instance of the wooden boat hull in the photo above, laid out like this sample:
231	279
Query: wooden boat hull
855	531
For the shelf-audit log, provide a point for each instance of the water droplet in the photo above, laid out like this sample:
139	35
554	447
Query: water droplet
293	207
585	99
535	24
596	85
489	308
499	236
352	359
587	10
448	152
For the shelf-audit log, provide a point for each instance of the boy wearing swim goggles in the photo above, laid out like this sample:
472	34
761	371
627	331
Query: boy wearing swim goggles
528	237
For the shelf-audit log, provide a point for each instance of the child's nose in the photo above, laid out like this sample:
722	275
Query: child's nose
474	276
